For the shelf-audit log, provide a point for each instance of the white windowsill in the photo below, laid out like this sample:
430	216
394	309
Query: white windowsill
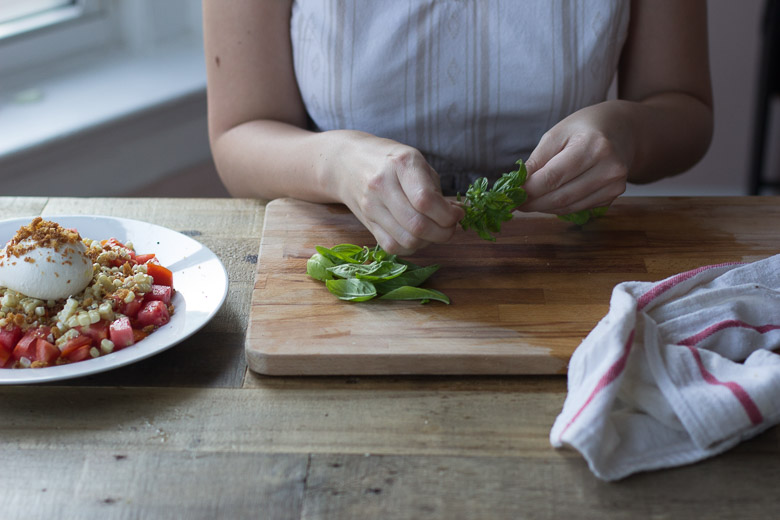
106	89
105	125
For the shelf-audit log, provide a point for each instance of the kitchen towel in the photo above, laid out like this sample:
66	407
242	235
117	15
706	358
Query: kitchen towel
677	371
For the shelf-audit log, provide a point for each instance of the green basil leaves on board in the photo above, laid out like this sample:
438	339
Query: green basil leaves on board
486	209
355	273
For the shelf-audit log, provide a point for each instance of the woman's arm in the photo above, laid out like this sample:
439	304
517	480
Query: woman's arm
260	144
661	124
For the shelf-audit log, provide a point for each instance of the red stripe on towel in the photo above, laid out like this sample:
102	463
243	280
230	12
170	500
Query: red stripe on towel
664	286
610	375
618	366
751	409
726	324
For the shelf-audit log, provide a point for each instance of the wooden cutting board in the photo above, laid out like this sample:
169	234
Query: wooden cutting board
520	305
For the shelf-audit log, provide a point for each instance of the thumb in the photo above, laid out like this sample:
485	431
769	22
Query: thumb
547	148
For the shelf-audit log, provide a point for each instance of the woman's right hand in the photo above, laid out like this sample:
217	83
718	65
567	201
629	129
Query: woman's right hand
394	192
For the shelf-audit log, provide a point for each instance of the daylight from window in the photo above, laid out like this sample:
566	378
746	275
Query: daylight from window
13	10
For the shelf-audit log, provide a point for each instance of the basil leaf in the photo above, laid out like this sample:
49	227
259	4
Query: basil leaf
351	270
343	253
359	281
318	267
411	277
351	289
415	293
374	271
385	271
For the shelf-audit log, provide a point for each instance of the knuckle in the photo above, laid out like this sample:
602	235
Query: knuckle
390	246
417	225
553	179
422	200
601	147
561	201
406	157
617	190
408	243
366	202
375	182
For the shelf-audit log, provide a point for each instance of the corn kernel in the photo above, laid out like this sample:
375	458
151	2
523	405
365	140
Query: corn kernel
107	346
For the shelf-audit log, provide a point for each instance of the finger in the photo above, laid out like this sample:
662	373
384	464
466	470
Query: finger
547	148
393	238
385	229
424	195
414	226
599	185
566	166
602	197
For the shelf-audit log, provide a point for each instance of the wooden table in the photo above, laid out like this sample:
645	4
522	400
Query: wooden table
192	434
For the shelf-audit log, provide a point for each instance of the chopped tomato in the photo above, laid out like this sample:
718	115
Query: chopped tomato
130	309
74	344
5	355
79	354
138	335
153	313
26	346
97	331
161	275
145	258
9	338
45	352
121	333
160	293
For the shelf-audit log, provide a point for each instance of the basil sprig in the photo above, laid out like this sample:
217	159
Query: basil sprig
486	209
355	273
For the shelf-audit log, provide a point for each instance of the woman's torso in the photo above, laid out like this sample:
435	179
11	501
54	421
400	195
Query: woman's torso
473	84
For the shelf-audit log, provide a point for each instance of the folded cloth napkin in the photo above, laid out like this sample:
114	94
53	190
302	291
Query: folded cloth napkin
677	371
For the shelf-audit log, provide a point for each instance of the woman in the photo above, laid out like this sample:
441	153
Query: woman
381	104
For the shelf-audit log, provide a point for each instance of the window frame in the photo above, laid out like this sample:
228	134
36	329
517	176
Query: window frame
37	40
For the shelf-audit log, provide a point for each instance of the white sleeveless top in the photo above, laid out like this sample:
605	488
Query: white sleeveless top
472	84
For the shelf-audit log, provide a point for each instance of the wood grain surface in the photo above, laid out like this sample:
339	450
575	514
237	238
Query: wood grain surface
191	434
520	305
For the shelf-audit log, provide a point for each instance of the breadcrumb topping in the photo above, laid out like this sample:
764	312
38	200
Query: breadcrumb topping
40	233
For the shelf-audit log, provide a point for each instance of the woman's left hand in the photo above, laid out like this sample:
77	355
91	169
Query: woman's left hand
582	162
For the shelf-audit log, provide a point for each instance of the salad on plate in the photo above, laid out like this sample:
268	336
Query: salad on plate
65	299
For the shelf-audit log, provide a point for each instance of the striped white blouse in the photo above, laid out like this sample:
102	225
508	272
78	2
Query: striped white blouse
473	84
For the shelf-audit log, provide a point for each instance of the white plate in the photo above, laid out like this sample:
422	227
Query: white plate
199	278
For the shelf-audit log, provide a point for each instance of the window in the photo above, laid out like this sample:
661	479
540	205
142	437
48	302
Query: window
15	10
22	17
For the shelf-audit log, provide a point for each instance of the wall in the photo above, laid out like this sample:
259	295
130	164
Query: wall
734	54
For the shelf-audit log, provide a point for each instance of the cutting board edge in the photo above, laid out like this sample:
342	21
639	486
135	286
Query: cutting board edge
352	364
